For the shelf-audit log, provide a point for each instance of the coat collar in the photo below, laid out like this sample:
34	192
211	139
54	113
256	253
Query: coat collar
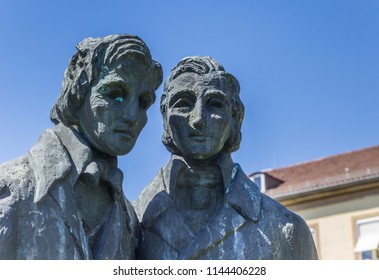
61	153
89	162
49	163
243	195
80	152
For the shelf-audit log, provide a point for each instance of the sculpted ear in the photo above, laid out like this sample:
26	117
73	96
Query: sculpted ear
157	74
77	96
166	137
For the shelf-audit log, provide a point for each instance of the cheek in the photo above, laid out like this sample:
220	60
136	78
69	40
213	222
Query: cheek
100	112
142	120
101	128
177	123
100	107
222	125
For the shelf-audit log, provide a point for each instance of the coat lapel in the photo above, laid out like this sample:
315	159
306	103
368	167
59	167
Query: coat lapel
214	235
107	245
160	216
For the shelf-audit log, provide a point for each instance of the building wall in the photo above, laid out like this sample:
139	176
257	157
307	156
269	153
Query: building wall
334	220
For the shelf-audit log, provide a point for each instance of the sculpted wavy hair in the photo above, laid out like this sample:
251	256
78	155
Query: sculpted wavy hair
202	65
92	60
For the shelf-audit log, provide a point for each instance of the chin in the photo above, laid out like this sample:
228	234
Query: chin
123	147
123	151
200	156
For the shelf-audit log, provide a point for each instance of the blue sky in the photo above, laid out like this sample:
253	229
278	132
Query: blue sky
309	71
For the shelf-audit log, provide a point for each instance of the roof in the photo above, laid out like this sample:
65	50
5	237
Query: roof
325	173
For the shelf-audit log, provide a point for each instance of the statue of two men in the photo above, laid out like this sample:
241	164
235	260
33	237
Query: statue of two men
64	198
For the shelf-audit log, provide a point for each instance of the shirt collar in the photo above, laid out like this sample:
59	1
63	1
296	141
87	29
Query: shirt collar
178	163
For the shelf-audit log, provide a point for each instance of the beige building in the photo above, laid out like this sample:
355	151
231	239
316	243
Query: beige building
338	196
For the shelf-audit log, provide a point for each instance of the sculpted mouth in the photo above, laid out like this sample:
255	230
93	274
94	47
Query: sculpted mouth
125	133
198	137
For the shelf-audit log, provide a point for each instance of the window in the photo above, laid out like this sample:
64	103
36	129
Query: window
265	181
258	181
366	255
367	238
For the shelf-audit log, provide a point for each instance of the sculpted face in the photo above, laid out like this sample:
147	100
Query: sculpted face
114	113
199	115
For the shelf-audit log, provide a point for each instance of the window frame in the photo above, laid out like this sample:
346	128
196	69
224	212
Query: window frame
361	219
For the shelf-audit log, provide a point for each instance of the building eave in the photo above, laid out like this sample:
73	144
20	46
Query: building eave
319	192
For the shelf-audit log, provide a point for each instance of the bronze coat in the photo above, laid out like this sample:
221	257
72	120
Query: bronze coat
250	225
38	215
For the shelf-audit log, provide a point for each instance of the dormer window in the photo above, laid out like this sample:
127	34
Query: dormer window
265	181
260	180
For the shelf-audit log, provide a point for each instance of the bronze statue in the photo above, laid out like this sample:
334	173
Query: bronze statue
64	198
201	205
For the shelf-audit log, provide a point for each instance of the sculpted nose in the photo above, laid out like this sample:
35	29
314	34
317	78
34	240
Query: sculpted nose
130	113
198	116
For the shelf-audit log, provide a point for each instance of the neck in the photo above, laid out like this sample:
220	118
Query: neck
199	185
197	188
200	172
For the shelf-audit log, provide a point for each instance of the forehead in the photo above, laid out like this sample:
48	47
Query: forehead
127	63
198	82
126	68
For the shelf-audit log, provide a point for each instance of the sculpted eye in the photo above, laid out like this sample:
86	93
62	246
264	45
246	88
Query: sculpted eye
216	103
117	95
182	103
183	100
114	91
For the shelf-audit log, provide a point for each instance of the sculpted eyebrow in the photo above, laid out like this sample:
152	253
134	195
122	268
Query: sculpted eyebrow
216	93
